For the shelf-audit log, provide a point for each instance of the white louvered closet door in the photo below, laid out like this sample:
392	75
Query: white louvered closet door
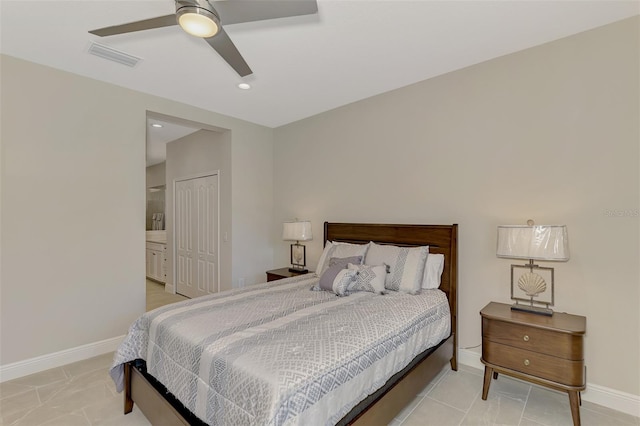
196	236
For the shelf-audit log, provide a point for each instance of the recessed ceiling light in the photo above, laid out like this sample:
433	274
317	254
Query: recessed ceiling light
156	125
244	86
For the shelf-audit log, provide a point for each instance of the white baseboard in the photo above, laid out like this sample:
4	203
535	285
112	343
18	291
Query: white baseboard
57	359
611	398
607	397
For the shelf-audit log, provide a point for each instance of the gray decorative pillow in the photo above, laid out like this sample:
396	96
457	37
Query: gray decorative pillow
406	265
340	250
369	278
336	265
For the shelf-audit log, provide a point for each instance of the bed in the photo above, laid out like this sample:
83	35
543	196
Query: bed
341	394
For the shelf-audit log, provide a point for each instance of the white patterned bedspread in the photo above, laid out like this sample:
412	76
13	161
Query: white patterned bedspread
279	353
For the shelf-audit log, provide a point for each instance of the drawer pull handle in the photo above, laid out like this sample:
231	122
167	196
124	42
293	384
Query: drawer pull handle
525	338
526	362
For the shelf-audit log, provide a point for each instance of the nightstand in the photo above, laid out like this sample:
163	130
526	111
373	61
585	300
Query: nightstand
278	274
544	350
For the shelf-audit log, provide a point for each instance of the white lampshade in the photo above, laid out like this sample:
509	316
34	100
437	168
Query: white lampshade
540	242
299	230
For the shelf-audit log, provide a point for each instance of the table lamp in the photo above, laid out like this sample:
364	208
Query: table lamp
532	242
297	230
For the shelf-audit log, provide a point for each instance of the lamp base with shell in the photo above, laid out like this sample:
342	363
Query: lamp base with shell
532	285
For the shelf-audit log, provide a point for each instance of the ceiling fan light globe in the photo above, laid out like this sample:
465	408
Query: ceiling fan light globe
198	22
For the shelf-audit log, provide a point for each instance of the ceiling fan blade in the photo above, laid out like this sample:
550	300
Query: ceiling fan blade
146	24
222	44
237	11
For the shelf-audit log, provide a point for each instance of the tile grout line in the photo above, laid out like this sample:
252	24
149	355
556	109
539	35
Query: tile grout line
524	407
447	405
469	409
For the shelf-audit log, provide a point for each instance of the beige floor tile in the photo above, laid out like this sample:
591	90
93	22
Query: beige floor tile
8	389
458	389
105	410
45	393
529	422
409	408
39	415
77	383
625	419
14	407
100	362
511	388
435	381
593	418
157	297
68	420
71	399
548	407
504	405
135	418
433	413
43	378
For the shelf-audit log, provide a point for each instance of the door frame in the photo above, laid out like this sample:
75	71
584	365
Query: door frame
174	244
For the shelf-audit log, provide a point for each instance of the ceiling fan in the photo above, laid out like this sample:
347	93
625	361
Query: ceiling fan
205	19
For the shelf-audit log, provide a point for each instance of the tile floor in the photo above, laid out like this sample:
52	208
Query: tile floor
454	398
156	296
83	394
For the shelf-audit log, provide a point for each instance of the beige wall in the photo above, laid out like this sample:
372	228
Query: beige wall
204	151
73	206
550	133
156	175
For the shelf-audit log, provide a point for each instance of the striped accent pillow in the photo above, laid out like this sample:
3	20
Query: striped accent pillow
405	265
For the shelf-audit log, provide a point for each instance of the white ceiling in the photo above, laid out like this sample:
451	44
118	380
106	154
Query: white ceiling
303	65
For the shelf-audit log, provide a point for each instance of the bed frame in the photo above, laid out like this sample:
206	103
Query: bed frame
379	408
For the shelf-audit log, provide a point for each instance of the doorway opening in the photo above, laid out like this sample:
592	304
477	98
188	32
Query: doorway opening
186	162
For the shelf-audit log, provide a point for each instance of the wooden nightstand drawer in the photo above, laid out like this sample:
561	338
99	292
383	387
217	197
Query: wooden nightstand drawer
557	344
570	373
540	349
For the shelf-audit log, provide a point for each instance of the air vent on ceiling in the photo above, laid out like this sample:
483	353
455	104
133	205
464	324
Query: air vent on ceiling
114	55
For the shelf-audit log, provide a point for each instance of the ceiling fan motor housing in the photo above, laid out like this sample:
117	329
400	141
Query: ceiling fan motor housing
199	4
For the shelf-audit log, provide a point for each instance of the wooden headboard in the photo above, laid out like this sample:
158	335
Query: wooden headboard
440	239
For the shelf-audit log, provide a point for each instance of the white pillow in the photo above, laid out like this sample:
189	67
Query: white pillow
369	278
405	265
336	249
433	271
